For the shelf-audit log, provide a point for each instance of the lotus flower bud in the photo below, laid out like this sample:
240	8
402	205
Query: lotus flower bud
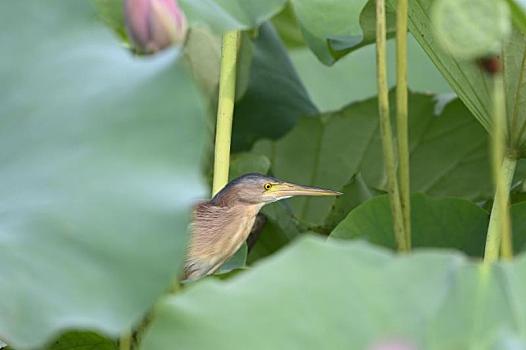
154	24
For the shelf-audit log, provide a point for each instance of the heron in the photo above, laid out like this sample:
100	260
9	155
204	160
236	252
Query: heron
220	226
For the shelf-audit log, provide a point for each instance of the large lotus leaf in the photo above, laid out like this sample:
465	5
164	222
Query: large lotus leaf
333	33
514	59
353	77
82	341
515	283
222	15
237	261
335	295
518	217
368	22
287	26
271	239
202	53
449	153
464	77
99	168
354	193
477	313
441	223
275	97
344	26
470	29
244	163
290	31
280	228
469	82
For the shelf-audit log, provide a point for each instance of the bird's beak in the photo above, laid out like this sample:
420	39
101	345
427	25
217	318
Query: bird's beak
286	189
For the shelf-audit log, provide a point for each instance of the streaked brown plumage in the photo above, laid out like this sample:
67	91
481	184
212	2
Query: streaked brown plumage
220	226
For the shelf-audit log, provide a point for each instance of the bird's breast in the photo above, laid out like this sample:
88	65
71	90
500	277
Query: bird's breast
236	236
217	236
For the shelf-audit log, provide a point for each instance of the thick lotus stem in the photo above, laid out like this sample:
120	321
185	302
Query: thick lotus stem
225	109
385	128
499	229
402	115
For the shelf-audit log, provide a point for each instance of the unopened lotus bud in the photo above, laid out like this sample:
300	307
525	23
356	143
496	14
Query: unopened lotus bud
155	24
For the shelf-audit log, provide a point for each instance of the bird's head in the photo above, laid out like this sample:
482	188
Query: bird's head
261	189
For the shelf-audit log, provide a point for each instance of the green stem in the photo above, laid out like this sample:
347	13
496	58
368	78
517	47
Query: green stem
385	127
125	341
499	229
509	166
225	109
401	116
493	240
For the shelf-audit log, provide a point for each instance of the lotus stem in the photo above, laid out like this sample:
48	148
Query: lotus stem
385	128
402	115
499	229
225	109
125	341
496	224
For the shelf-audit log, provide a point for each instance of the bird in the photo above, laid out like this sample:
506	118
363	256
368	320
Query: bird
220	226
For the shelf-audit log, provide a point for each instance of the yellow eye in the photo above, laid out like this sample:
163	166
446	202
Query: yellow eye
267	186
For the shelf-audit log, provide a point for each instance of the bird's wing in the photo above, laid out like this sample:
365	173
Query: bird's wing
196	268
205	226
217	233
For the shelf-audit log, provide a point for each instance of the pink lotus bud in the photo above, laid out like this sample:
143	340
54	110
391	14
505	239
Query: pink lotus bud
154	24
